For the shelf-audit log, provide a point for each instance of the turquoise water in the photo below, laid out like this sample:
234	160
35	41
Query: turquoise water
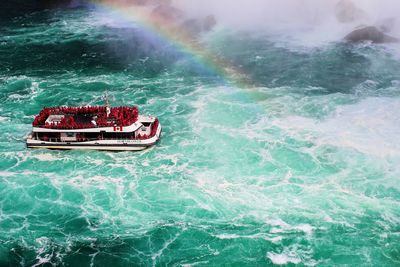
301	169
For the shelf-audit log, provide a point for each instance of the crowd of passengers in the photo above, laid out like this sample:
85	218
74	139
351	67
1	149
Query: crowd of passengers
119	116
152	132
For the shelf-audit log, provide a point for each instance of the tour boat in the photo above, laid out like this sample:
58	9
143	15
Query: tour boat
94	127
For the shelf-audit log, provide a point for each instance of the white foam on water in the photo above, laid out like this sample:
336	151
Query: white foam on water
195	264
45	157
228	236
97	162
371	126
102	182
264	236
282	259
43	254
294	254
274	240
277	222
280	227
7	174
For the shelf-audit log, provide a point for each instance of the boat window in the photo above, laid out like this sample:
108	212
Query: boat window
146	124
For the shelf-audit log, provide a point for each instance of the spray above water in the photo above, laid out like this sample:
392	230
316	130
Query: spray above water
171	25
299	22
297	15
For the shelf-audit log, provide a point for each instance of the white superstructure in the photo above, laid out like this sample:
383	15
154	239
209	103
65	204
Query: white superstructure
98	128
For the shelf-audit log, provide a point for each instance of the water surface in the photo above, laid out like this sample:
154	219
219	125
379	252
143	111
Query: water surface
301	169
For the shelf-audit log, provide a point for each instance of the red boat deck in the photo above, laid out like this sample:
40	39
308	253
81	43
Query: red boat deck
82	117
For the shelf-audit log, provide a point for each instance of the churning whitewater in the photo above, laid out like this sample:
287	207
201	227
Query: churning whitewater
300	167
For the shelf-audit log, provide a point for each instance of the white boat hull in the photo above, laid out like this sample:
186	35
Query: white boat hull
108	145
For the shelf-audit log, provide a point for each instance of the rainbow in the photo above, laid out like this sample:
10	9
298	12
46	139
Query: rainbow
179	39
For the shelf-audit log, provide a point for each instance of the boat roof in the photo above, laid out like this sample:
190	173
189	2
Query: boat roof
89	117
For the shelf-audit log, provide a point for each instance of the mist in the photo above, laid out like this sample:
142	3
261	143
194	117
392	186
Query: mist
311	20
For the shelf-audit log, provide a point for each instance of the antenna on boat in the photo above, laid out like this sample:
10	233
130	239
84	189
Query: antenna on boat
108	110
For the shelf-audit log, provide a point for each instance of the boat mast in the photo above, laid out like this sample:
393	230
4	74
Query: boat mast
108	110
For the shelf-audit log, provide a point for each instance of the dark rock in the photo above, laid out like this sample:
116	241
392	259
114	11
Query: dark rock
171	18
195	27
370	33
209	23
192	27
167	13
